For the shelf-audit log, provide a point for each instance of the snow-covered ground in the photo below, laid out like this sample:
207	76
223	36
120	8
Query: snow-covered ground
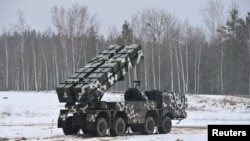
33	116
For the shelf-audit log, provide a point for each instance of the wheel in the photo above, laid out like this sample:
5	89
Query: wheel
149	126
166	125
70	128
119	127
101	127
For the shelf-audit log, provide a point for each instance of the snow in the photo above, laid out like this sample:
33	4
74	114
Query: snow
33	116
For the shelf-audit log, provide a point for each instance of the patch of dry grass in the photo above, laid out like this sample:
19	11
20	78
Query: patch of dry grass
229	101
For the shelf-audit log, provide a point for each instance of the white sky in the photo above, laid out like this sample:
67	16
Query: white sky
109	12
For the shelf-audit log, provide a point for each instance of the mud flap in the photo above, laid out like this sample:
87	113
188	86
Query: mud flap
61	122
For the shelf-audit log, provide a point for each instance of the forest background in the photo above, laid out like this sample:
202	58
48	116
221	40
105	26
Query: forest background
213	59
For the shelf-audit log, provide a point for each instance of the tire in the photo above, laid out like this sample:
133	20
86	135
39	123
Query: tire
149	126
69	128
166	125
132	94
101	127
119	127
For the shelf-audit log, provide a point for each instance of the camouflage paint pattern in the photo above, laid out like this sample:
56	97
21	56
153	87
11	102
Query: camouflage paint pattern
136	110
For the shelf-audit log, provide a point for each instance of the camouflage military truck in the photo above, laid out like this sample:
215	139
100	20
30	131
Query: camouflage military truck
141	111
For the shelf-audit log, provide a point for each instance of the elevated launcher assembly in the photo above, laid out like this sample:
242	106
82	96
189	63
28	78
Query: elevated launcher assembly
89	83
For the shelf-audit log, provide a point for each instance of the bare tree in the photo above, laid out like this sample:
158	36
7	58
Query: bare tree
77	18
178	55
21	27
200	39
6	60
35	65
160	25
181	68
185	70
59	21
152	55
46	69
177	67
214	18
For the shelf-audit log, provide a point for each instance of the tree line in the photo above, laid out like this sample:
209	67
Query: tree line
177	55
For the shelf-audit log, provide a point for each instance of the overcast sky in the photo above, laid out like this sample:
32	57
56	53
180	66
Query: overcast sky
109	12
